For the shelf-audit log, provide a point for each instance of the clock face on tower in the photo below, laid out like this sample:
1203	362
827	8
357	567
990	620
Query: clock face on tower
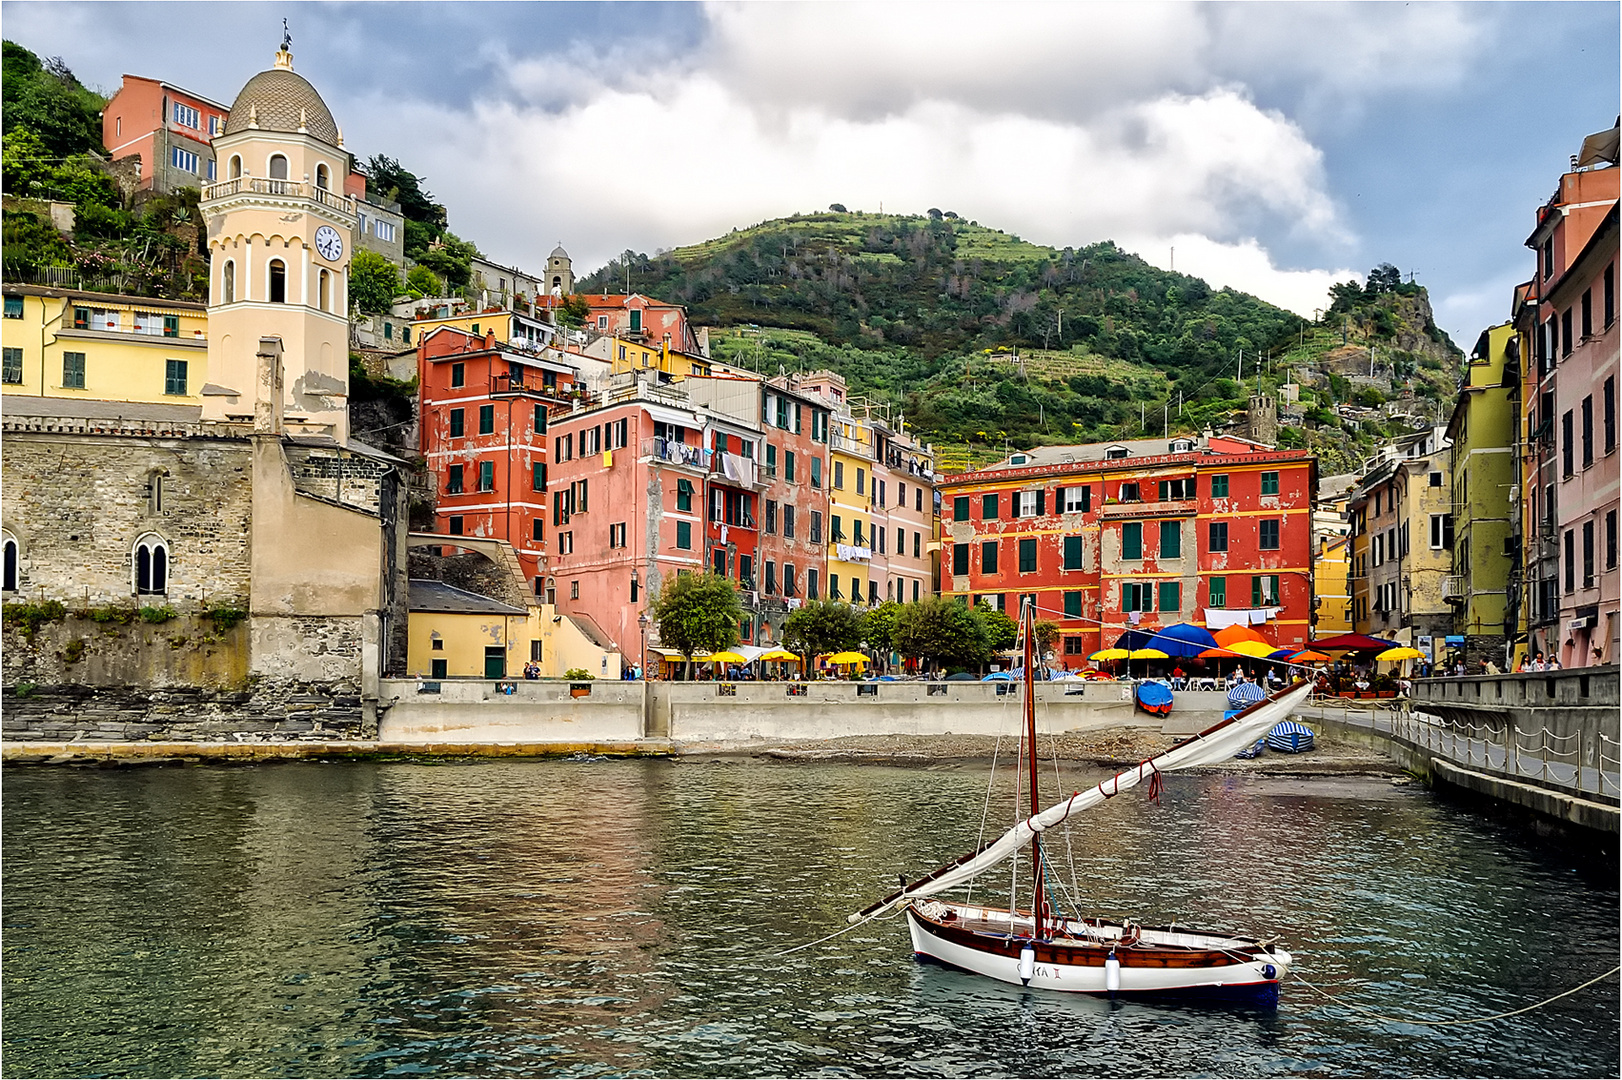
329	243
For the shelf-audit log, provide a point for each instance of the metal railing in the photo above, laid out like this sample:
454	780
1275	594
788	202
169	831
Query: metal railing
258	185
675	453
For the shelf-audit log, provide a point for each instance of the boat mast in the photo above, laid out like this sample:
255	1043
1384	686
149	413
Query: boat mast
1028	618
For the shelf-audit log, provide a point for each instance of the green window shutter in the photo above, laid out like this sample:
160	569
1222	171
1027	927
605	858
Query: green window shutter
1072	605
1171	539
1164	491
988	507
960	508
538	480
1219	486
1072	553
1217	593
1171	595
487	419
684	535
988	557
960	559
456	424
1027	556
1087	498
1132	540
1256	591
1041	501
171	326
1269	483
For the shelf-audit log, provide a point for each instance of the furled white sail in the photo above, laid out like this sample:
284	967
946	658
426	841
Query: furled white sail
1214	744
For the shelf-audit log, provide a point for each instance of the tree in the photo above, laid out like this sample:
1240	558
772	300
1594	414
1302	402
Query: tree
878	626
1001	631
697	614
822	626
574	311
451	258
48	100
1047	632
374	282
838	208
942	632
423	281
391	182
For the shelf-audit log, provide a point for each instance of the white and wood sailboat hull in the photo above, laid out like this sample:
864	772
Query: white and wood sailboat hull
1076	957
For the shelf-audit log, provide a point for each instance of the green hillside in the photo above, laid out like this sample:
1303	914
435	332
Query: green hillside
982	338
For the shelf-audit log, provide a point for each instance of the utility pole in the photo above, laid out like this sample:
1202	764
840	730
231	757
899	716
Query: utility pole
1241	367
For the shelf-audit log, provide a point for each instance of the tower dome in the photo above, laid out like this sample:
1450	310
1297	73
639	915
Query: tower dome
559	253
280	99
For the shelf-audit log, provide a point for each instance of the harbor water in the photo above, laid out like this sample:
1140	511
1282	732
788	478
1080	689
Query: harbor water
586	918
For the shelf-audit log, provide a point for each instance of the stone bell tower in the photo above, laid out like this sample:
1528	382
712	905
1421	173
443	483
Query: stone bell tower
559	272
279	227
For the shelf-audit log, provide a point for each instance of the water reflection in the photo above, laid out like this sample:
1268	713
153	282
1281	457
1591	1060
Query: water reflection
618	918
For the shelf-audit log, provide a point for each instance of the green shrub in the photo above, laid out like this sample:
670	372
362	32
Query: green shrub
27	618
157	614
577	673
114	614
24	689
224	617
74	651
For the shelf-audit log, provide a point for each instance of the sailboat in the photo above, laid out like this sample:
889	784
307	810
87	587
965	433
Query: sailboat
1041	949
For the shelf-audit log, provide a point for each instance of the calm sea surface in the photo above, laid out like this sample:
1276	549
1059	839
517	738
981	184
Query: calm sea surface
621	917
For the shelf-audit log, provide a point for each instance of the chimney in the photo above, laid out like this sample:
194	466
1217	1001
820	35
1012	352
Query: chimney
267	399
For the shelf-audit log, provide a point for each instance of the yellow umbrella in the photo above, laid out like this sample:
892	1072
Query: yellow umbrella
722	657
1401	652
848	657
1147	654
777	654
1108	654
1251	648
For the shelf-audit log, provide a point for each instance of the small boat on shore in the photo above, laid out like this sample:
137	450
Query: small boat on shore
1036	946
1153	698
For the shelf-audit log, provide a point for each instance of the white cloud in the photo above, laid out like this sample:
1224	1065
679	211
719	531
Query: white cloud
1244	266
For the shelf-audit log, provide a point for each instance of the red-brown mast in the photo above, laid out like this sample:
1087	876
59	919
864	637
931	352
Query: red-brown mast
1028	619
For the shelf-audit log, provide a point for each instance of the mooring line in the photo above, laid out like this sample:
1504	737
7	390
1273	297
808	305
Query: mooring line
1456	1023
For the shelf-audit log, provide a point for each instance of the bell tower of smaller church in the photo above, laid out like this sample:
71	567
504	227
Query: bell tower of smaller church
279	227
559	272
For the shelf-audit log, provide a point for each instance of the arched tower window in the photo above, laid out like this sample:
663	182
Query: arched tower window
278	167
9	582
228	283
151	565
234	170
278	282
324	291
321	177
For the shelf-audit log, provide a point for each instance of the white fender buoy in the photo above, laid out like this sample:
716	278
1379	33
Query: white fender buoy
1027	963
1112	972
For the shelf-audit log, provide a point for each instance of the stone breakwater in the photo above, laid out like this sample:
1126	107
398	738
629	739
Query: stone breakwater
281	711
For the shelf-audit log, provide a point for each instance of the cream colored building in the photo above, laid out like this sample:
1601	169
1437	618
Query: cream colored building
460	634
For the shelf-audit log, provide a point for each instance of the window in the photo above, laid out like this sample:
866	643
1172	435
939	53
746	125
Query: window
960	559
229	279
816	472
174	377
1171	596
574	590
577	497
684	495
960	508
833	588
1072	609
458	374
487	419
537	476
836	529
861	481
1588	312
1218	538
11	369
1030	503
186	116
1588	431
1027	556
183	159
1571	561
487	476
684	535
1171	539
616	535
988	557
771	578
1076	500
1174	489
278	167
1610	295
383	230
1269	483
788	469
771	459
1115	452
1441	531
540	419
1132	540
323	292
455	525
1610	540
1565	333
151	566
453	480
457	423
1216	594
73	371
988	507
1436	479
839	475
856	532
1072	553
918	502
771	515
1129	493
14	307
537	530
9	582
1608	413
278	282
1219	486
1264	590
1137	596
1267	534
1588	554
563	447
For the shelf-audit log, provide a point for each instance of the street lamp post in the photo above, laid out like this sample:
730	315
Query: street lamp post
642	625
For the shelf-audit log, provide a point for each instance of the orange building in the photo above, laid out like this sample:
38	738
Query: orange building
170	129
642	319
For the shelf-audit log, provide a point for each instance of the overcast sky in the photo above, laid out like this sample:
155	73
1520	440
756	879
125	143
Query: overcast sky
1276	147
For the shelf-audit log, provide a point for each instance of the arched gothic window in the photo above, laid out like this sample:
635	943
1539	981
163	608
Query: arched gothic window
278	167
228	283
9	582
234	170
325	291
151	565
321	177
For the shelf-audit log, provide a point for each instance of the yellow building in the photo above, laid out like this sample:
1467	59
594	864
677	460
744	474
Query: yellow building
98	346
455	634
1330	570
850	508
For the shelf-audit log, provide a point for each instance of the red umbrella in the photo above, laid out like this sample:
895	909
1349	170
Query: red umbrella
1351	642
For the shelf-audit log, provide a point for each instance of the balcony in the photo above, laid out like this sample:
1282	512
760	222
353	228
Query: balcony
680	454
736	469
1455	590
529	383
256	185
846	444
1115	510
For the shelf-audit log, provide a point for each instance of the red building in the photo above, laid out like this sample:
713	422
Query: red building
643	319
484	429
1141	534
170	129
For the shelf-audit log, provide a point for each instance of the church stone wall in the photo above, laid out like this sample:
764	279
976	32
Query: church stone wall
77	505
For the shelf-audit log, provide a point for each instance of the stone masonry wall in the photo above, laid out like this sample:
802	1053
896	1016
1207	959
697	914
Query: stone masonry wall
342	477
119	649
77	504
264	710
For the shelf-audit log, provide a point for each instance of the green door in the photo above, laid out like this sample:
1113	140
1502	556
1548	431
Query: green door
441	669
495	662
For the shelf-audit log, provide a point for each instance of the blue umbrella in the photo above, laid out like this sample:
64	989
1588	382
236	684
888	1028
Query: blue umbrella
1281	654
1183	639
1244	694
1133	640
998	676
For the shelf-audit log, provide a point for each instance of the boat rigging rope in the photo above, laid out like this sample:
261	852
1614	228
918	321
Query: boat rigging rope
1457	1023
836	933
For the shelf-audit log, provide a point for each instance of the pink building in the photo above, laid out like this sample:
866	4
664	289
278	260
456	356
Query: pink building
170	129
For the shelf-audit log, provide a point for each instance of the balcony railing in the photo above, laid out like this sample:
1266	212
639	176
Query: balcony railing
1454	589
258	185
503	385
735	469
849	445
675	453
